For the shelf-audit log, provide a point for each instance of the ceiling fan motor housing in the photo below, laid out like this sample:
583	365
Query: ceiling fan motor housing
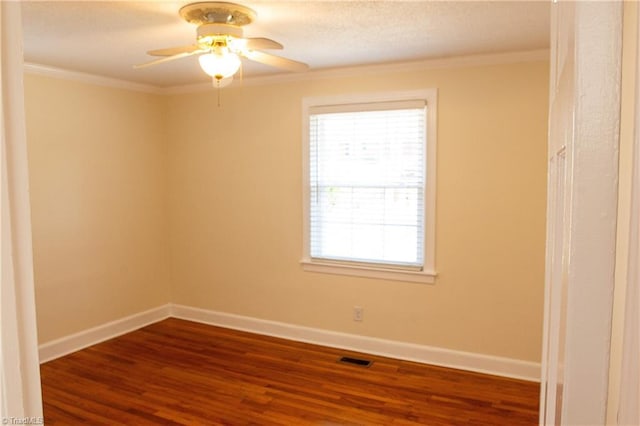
210	31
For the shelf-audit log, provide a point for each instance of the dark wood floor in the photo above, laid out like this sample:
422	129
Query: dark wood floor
178	372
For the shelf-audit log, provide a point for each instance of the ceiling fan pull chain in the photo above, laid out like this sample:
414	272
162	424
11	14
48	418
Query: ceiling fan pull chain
216	83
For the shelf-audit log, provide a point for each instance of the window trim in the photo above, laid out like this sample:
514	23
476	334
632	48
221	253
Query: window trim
427	274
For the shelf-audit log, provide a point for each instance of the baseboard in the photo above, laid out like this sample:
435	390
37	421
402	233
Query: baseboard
74	342
487	364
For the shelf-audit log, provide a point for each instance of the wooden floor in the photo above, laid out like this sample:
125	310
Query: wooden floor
178	372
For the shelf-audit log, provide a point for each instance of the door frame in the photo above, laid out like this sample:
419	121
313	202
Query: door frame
593	33
20	390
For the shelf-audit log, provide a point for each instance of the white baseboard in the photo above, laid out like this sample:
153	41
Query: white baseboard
487	364
74	342
506	367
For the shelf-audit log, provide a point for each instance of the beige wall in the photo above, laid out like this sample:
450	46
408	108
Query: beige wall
140	200
97	160
235	201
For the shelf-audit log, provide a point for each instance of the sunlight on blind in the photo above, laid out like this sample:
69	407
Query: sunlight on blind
367	179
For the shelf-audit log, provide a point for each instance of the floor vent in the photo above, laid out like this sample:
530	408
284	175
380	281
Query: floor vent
356	361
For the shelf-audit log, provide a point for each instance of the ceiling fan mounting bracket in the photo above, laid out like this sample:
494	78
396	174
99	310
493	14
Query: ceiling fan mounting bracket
217	13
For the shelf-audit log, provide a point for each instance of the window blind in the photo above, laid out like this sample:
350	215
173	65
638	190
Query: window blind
367	183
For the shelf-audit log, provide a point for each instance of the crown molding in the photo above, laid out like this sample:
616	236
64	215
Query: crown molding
373	69
98	80
343	72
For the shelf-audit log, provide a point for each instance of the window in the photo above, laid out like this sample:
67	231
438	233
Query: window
369	166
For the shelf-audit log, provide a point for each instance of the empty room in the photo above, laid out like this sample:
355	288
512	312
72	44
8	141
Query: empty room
318	212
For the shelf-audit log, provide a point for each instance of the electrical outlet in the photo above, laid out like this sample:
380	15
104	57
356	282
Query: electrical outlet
358	312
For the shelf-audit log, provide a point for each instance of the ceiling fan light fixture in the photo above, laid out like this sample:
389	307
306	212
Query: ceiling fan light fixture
219	65
220	42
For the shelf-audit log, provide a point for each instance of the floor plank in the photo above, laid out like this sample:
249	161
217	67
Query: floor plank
178	372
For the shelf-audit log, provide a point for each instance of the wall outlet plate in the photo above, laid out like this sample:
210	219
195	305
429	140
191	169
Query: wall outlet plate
358	313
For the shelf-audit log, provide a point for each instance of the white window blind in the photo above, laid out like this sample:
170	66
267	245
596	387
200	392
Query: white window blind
367	183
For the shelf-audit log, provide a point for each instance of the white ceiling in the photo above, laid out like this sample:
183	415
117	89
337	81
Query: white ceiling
108	37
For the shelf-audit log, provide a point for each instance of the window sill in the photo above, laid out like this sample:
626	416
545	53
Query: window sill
425	277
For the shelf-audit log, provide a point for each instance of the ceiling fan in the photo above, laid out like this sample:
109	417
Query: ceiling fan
220	42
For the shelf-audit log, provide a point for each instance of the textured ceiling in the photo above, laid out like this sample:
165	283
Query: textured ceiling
108	38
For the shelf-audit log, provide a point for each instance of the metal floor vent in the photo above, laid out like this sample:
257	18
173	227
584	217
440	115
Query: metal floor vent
356	361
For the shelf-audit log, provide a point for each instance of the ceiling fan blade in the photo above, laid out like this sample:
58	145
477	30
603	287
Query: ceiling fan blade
170	51
167	59
276	61
254	43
